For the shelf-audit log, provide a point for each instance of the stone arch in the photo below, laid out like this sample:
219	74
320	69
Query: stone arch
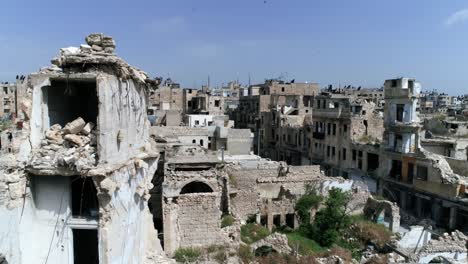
196	187
376	210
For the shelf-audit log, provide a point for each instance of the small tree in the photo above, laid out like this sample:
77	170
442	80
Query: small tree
332	219
308	201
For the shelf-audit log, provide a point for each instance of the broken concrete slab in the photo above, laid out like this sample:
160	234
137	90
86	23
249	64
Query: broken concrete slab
75	126
74	139
87	128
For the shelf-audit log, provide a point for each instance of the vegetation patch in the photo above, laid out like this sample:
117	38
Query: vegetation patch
187	255
370	232
227	220
308	201
303	245
251	233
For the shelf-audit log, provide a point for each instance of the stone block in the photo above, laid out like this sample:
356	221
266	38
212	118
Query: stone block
96	48
74	139
75	126
94	39
87	128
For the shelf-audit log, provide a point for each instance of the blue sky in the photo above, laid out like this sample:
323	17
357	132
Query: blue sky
358	42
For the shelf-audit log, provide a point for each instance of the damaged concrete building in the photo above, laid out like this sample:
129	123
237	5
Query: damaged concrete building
278	113
80	173
194	188
346	135
427	184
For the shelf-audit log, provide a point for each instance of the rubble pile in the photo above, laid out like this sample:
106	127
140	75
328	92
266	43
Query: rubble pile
73	147
97	56
454	242
277	241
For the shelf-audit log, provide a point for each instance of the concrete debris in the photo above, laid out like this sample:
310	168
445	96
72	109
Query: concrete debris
454	242
87	128
98	55
75	126
74	139
446	173
73	147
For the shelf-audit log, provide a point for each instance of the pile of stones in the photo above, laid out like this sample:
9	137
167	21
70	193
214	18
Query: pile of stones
99	42
73	146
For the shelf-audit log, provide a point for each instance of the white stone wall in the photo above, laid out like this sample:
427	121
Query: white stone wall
122	114
126	231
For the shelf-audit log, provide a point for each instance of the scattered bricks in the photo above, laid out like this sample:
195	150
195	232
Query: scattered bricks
75	126
16	190
74	139
87	128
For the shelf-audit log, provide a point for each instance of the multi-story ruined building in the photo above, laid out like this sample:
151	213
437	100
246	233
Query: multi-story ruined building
278	113
7	99
421	182
346	135
166	104
76	186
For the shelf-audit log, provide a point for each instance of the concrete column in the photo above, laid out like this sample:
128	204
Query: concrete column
296	222
418	206
258	218
269	216
170	234
282	219
403	200
453	218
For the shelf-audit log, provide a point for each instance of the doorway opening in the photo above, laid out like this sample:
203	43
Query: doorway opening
85	246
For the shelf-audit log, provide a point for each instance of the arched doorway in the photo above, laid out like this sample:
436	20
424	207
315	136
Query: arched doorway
196	187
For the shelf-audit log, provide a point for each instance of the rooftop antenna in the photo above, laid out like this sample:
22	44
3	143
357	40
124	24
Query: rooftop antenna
249	78
208	81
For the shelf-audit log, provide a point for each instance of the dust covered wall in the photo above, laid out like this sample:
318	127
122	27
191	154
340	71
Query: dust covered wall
38	232
244	196
126	230
122	121
199	219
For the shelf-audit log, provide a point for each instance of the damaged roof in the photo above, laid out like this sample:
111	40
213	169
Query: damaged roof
97	56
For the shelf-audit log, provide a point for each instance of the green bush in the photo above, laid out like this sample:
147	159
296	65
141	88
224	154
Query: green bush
227	220
331	220
303	245
187	255
305	203
370	232
251	233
